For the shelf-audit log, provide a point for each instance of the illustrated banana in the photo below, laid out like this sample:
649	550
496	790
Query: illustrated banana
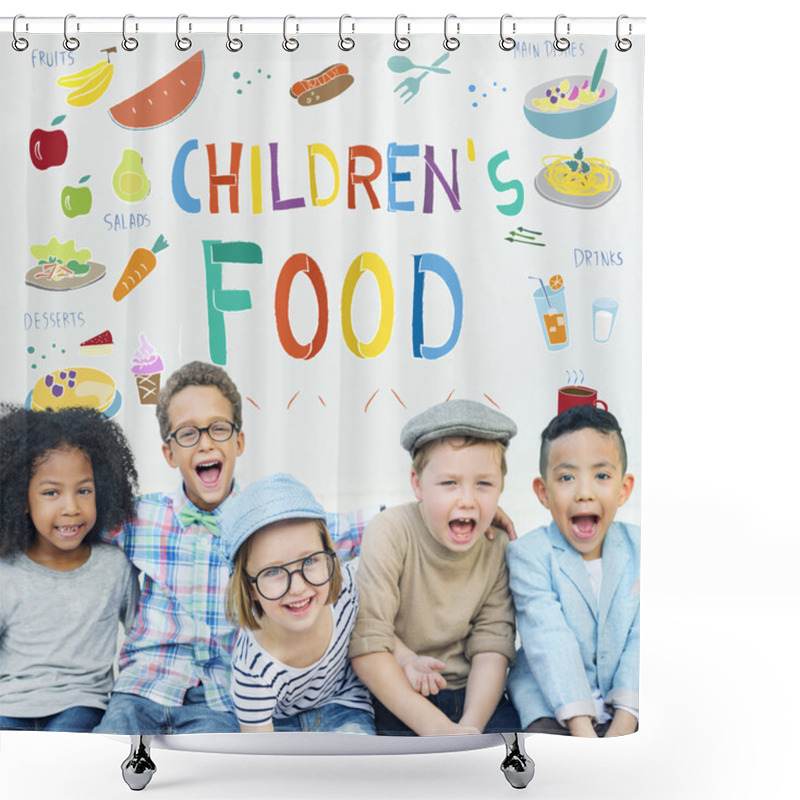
88	84
93	89
79	78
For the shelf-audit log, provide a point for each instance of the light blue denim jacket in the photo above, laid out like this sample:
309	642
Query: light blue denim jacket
568	644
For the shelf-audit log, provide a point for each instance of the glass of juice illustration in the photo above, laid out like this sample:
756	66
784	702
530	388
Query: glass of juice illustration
604	314
551	306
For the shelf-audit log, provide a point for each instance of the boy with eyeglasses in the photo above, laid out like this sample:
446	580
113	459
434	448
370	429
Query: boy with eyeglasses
175	663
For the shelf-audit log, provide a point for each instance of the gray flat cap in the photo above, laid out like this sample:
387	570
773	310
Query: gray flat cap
456	418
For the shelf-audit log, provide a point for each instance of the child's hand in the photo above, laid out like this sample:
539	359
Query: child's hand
582	726
448	728
503	521
623	723
423	673
466	729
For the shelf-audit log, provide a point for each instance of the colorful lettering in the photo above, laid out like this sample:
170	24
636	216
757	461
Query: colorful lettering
189	204
515	206
300	263
219	300
430	262
323	151
368	262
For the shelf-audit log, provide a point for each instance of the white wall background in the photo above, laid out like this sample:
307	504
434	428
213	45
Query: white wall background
719	491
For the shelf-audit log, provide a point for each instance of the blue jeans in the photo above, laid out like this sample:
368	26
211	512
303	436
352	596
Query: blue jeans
131	714
451	703
330	718
80	719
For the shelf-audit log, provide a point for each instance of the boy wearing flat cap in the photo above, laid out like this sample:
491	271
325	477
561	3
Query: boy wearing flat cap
435	631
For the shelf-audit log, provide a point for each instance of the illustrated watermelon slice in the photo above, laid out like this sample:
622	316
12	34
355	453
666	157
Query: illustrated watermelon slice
164	100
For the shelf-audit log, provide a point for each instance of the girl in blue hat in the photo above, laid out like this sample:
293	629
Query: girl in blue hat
295	606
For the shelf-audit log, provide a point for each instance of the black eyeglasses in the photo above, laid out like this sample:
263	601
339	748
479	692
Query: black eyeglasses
189	435
272	583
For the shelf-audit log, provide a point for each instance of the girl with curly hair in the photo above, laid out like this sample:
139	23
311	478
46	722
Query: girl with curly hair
65	476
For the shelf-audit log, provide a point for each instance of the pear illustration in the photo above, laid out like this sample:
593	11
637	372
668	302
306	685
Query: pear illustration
130	181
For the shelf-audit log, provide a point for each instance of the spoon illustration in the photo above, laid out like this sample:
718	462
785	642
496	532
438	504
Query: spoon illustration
598	70
403	64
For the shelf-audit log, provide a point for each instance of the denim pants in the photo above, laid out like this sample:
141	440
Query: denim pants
80	719
131	714
451	703
330	718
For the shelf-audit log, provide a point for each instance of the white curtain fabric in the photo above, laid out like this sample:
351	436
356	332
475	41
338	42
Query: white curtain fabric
354	235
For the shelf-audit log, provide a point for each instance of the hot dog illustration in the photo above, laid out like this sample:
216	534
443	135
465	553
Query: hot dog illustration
325	85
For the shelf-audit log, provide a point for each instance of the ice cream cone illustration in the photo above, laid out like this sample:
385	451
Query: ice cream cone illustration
147	367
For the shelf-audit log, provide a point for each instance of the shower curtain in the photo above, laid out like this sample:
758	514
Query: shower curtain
353	233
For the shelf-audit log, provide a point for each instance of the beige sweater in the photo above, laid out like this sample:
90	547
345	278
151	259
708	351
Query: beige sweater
440	603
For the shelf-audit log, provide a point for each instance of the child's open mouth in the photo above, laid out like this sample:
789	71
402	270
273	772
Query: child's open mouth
584	526
69	531
299	607
209	472
462	530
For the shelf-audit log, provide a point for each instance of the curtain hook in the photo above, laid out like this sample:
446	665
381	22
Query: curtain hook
346	42
507	42
290	44
19	43
70	42
233	44
622	44
128	42
182	42
451	42
401	42
561	43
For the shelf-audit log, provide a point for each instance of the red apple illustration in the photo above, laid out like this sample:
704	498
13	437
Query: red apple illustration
48	148
76	200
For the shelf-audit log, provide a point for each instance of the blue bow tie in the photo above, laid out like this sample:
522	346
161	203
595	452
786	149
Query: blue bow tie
193	516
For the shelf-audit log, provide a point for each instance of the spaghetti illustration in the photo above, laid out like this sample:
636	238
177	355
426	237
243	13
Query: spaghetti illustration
577	181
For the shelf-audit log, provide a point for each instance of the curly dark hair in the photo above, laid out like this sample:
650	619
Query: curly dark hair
26	437
197	373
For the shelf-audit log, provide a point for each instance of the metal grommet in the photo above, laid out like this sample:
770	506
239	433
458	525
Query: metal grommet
561	43
128	42
290	44
233	44
451	42
182	42
70	42
19	43
401	42
346	42
623	44
507	42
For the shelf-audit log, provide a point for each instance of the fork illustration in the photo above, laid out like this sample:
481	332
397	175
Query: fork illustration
409	88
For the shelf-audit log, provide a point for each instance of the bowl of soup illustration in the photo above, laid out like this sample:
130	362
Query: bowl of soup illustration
567	108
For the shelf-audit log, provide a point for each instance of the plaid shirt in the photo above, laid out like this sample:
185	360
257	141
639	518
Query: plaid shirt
181	636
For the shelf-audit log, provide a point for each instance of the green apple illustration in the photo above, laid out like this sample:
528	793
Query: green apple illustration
76	200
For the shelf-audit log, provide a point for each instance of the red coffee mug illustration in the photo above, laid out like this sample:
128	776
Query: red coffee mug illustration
569	396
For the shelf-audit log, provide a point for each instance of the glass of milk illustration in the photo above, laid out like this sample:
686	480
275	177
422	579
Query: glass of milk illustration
604	314
551	305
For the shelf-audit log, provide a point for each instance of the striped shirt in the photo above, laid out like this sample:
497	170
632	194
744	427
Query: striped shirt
181	636
264	688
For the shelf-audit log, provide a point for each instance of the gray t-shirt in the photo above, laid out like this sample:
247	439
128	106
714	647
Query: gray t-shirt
58	631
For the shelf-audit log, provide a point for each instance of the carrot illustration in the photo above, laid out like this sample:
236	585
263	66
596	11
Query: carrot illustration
141	263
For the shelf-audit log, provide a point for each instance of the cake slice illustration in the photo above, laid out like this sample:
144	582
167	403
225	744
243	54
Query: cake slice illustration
99	345
147	368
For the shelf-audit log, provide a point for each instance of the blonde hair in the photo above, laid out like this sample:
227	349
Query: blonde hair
422	456
242	608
